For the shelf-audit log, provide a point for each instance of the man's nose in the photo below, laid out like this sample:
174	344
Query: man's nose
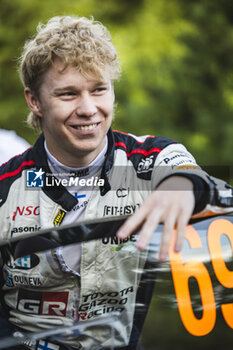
86	106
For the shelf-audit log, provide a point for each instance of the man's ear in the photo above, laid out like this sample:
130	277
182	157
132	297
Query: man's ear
33	102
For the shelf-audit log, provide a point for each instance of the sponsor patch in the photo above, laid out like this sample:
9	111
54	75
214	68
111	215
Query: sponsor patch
122	192
120	210
116	240
21	280
21	229
59	217
80	206
24	263
179	160
43	303
97	304
117	244
26	211
145	165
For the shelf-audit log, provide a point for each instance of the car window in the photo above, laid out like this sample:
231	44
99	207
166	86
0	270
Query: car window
130	299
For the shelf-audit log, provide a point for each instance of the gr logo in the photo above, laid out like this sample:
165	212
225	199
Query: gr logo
46	303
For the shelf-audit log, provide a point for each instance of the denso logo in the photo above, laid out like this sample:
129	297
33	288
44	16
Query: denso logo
26	211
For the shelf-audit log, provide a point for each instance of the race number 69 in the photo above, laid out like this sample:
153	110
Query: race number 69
182	272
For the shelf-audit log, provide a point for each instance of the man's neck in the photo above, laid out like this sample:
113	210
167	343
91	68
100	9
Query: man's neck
92	161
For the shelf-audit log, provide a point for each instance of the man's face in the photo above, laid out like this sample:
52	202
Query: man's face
76	114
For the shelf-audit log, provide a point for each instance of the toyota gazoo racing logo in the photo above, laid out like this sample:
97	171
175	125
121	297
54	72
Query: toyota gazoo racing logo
43	303
97	303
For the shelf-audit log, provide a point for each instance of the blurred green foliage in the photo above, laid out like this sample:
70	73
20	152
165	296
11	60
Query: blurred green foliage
177	60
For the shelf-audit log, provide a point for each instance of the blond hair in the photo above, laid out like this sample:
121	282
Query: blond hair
78	41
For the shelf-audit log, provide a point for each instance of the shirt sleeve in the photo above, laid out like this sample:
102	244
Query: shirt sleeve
212	195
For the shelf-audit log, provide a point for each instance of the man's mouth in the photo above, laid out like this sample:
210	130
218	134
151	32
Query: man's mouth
86	127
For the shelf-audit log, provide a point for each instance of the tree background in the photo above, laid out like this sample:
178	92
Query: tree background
177	80
177	60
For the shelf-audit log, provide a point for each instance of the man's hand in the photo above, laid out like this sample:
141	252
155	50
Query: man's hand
171	204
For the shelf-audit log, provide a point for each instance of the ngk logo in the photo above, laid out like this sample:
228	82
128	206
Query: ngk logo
47	303
26	211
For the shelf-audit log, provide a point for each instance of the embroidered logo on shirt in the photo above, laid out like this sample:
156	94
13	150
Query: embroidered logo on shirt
59	217
122	192
145	165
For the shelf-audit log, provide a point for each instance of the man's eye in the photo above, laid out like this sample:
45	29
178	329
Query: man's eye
68	93
100	90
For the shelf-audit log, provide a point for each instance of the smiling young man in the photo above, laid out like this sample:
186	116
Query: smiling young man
68	71
75	109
